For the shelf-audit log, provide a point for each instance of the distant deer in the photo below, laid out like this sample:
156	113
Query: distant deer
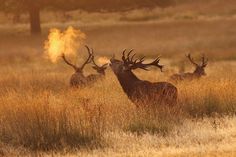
198	72
142	92
78	79
100	69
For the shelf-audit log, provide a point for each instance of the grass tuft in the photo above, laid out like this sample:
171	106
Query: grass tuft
160	120
42	124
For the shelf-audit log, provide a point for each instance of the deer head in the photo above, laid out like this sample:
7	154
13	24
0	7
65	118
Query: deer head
200	68
99	69
128	63
75	67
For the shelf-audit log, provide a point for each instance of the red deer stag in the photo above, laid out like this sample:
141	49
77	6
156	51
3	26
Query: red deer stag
78	79
198	72
142	92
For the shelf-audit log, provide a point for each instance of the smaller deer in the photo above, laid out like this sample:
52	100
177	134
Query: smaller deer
78	79
100	69
198	72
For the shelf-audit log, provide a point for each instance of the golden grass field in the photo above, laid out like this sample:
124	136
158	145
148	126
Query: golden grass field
40	115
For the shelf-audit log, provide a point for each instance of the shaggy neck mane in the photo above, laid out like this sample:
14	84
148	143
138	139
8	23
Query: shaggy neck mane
127	81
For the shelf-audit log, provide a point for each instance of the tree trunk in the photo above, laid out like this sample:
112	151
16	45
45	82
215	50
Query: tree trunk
35	27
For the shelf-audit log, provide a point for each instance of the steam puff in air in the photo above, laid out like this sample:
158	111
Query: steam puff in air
67	42
103	60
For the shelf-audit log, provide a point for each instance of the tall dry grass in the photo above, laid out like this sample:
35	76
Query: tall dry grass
39	111
40	121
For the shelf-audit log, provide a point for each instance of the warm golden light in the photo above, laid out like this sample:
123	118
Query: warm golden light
67	42
103	60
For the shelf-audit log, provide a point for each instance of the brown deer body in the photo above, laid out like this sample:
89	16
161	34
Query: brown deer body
198	72
142	92
78	79
100	71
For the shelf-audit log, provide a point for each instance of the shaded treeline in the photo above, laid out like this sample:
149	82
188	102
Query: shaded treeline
18	7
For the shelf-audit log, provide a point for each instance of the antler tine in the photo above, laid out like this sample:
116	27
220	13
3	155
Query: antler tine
67	62
104	65
130	60
133	56
92	57
88	49
124	51
94	63
139	64
88	60
156	63
123	55
126	58
130	53
204	61
191	59
142	59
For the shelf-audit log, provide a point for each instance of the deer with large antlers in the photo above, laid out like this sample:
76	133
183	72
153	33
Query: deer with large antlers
142	92
78	79
198	72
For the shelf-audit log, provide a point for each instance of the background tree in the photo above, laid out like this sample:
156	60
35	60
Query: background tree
33	7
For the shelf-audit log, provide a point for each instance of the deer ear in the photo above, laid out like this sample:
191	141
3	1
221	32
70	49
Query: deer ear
94	67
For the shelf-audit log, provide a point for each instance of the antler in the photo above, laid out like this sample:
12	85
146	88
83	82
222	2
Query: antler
138	63
191	60
67	62
204	61
88	60
97	66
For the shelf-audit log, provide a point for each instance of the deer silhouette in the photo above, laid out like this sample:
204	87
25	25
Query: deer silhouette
142	92
100	69
198	72
78	79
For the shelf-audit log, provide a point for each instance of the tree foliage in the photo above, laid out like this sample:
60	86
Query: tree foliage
33	7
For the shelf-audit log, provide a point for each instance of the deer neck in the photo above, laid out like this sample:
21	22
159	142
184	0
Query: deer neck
196	74
127	81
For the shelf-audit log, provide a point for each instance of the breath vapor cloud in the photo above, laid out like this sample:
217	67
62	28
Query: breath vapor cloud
63	42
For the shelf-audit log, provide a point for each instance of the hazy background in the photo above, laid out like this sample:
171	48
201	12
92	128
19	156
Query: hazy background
171	28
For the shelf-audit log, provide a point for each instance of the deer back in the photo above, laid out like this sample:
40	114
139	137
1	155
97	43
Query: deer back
183	77
198	72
